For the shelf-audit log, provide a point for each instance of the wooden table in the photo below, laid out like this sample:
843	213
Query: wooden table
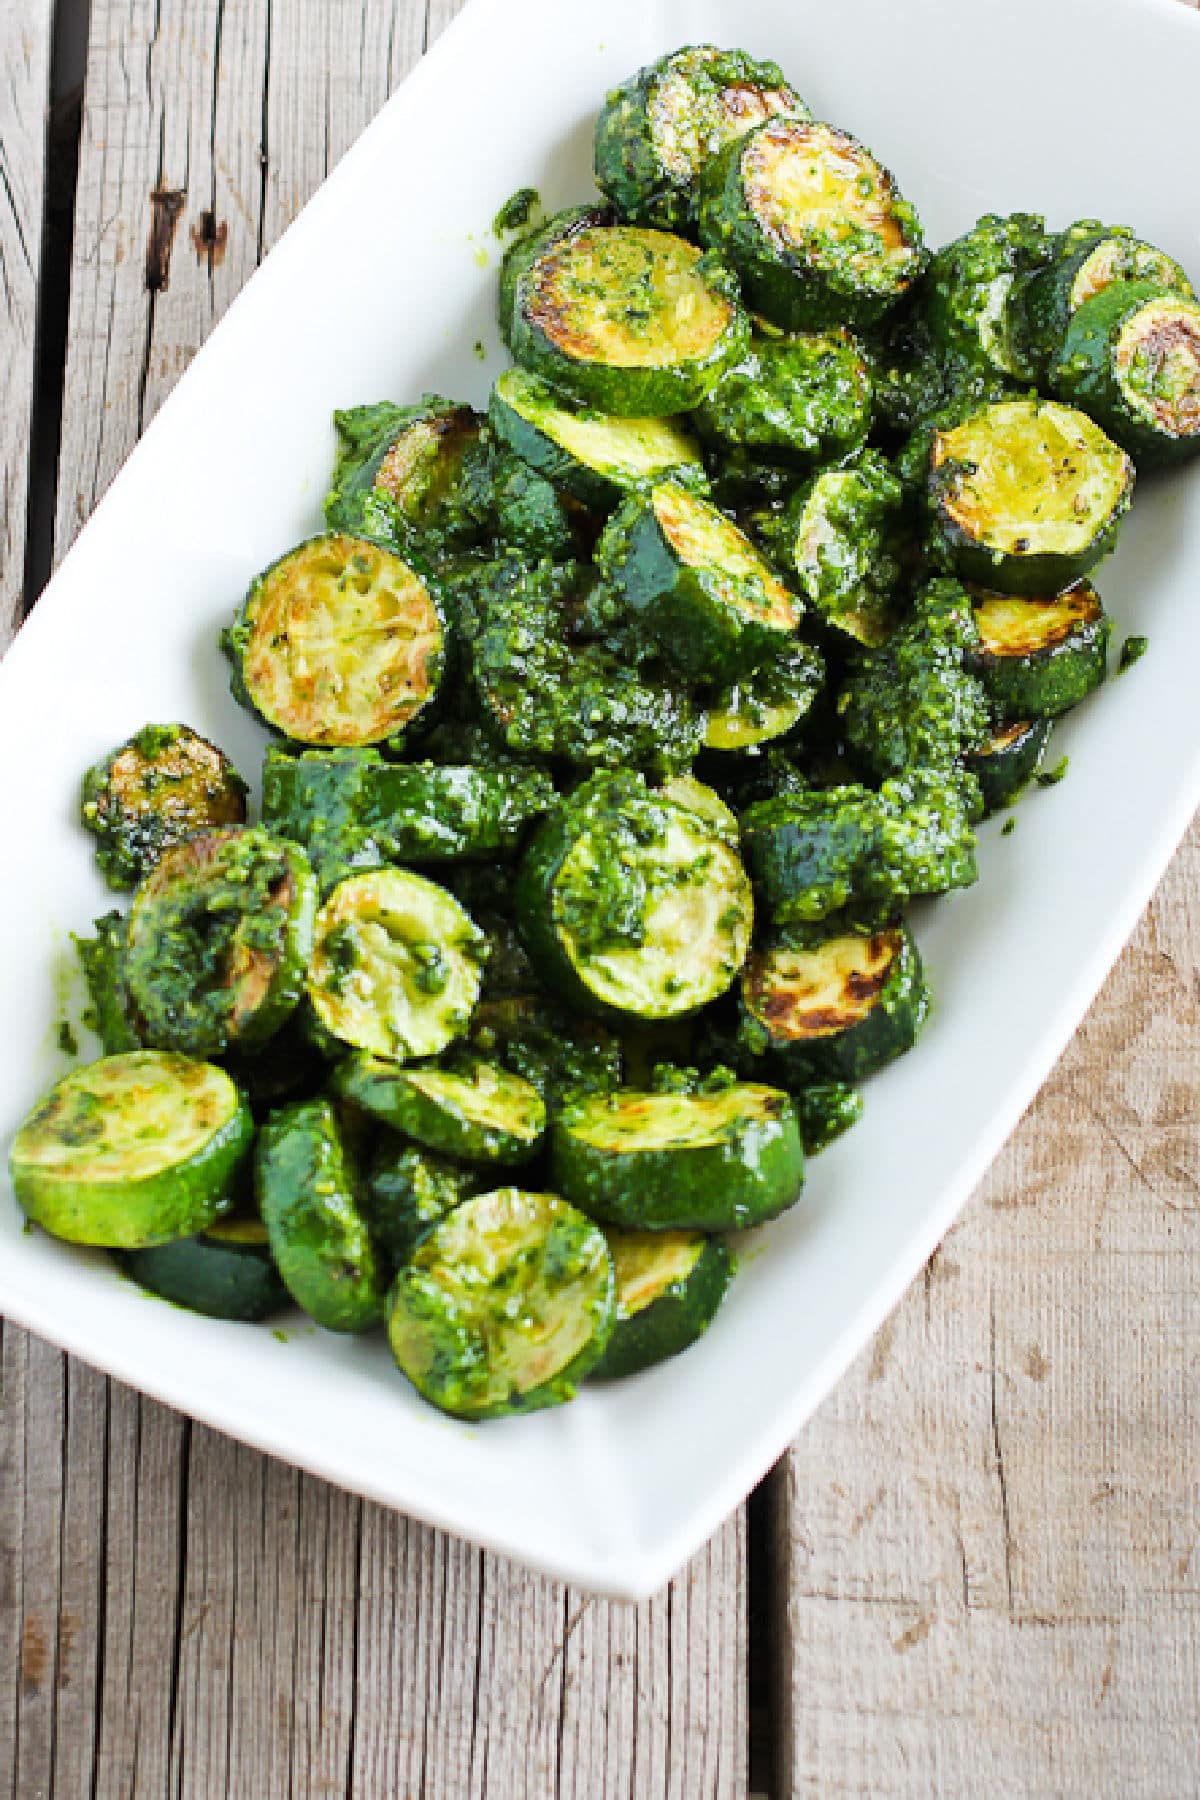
978	1571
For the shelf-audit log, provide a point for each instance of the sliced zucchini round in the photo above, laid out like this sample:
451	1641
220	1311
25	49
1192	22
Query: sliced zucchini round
696	584
310	1197
658	129
475	1111
675	1162
132	1150
806	850
552	1048
826	1109
805	395
219	938
621	318
340	642
766	706
838	534
409	1190
1009	758
813	224
504	1306
595	456
840	1008
411	475
1088	259
633	905
396	967
670	1285
226	1272
1038	658
969	292
162	786
1131	358
1027	495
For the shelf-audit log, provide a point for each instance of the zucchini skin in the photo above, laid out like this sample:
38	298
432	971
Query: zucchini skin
826	1109
775	705
1045	302
409	1190
309	1196
216	1274
1006	763
1086	373
837	539
1053	678
394	1094
673	1321
754	1172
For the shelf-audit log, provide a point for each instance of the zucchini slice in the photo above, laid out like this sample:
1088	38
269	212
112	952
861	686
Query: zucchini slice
676	1162
805	395
1027	495
1007	759
813	224
504	1306
340	642
1131	358
410	1190
474	1111
595	456
620	318
969	293
132	1150
633	905
670	1285
102	959
396	967
696	584
553	1049
826	1110
1038	658
1088	259
162	786
766	706
838	1009
658	129
226	1272
411	475
839	535
219	937
310	1197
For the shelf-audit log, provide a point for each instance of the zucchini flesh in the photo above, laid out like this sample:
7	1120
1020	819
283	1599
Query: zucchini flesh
412	475
1038	658
132	1150
766	706
717	1161
396	966
227	1272
1088	259
162	786
1131	358
504	1306
670	1285
340	642
1027	495
839	1009
1008	759
475	1111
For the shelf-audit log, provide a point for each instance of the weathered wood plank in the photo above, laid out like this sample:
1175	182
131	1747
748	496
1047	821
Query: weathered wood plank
25	33
987	1538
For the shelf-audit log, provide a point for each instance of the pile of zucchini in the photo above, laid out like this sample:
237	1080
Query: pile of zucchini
610	735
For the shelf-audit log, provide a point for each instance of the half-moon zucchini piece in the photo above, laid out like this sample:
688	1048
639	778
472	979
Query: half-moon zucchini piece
1007	759
132	1150
165	784
1088	259
621	318
340	642
1038	658
717	1161
670	1285
840	1008
226	1272
696	584
813	224
1131	358
219	938
767	705
1027	495
475	1111
396	967
504	1306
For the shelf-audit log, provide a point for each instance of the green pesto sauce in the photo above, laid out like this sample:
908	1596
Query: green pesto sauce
1132	650
517	212
64	1037
1009	826
1052	777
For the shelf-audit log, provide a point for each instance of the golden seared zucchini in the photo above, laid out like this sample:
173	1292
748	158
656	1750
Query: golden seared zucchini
163	785
412	475
814	226
1088	258
1038	658
1131	358
504	1306
1007	759
219	938
1027	495
396	966
225	1272
627	320
670	1285
473	1110
656	132
340	643
768	705
132	1150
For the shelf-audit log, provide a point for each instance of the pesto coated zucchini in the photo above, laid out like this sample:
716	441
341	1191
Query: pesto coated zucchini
1007	759
1038	658
766	706
396	966
628	320
340	642
706	1161
838	539
657	130
1088	258
548	1046
968	297
102	959
670	1285
226	1272
814	226
409	1190
473	1110
504	1306
1131	358
412	476
151	793
805	395
132	1150
826	1110
1027	495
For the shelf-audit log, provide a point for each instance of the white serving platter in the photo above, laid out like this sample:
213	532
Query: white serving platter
1068	107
